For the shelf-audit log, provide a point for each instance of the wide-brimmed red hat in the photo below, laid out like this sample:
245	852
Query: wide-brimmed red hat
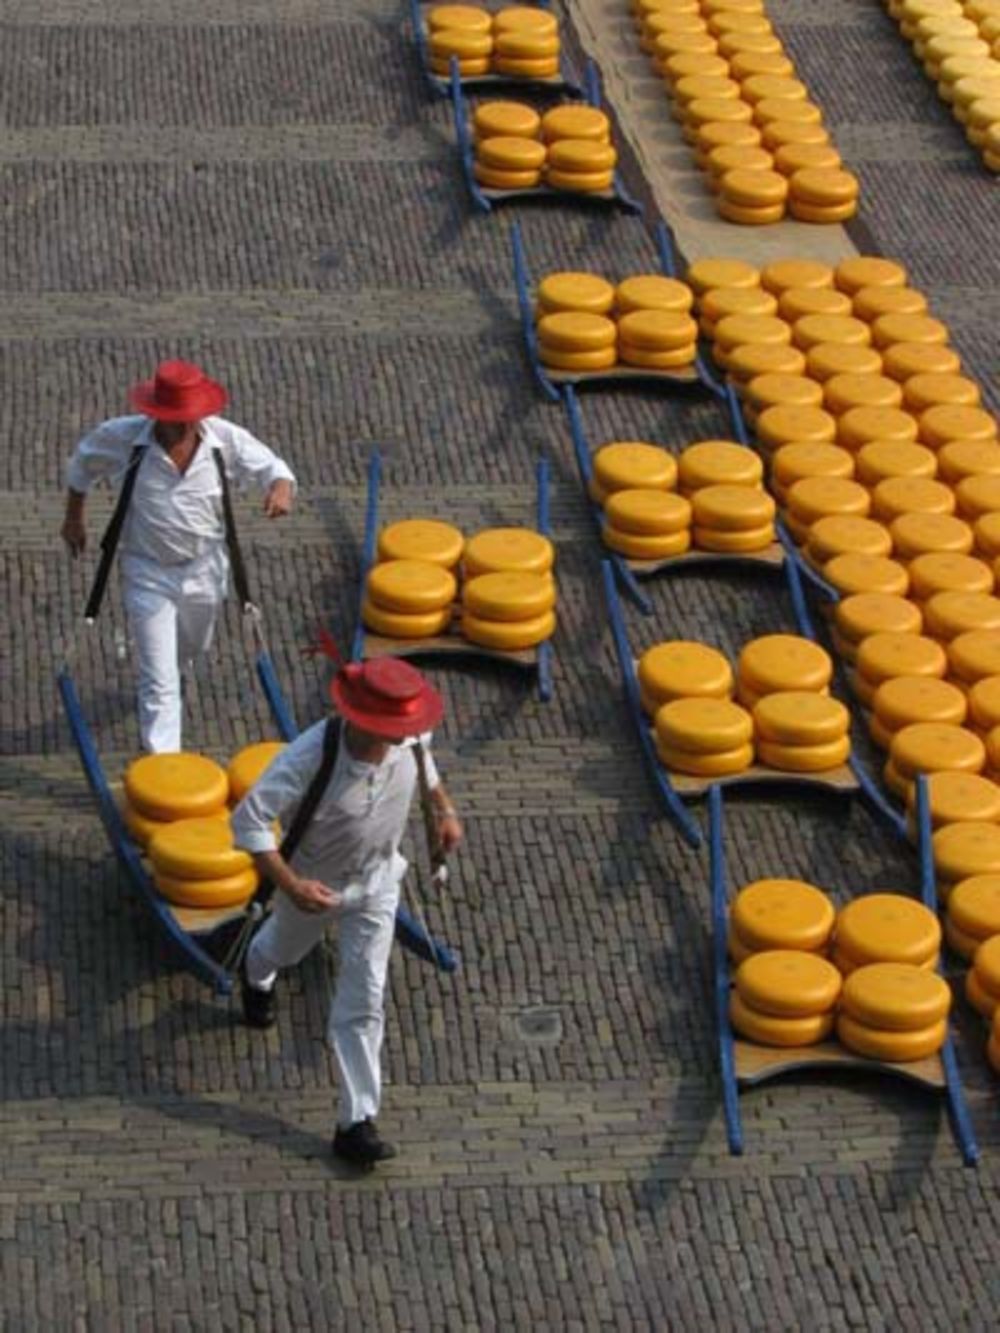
387	697
180	391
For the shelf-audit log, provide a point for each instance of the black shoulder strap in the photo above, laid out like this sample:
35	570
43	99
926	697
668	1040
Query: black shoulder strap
112	534
232	540
307	806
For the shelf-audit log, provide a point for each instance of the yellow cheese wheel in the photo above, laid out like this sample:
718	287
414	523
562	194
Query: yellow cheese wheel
704	274
723	763
897	997
841	393
650	291
765	391
910	495
776	134
870	303
731	157
197	849
934	388
710	110
887	928
508	152
968	458
575	122
575	291
646	546
425	539
804	758
514	595
753	188
813	498
977	495
671	359
491	119
742	542
777	663
648	512
880	459
940	571
680	668
248	766
826	361
813	330
791	157
887	655
946	422
718	463
954	797
526	45
583	182
469	18
745	362
734	330
736	20
527	68
782	914
981	999
919	534
222	891
930	747
731	508
884	1044
866	573
895	328
987	965
860	425
755	87
821	214
633	465
837	534
824	187
667	44
974	904
777	426
176	786
785	111
766	1030
461	42
703	726
973	655
862	614
724	133
693	86
679	64
576	331
788	983
468	66
524	18
657	330
404	624
720	302
411	586
987	534
141	827
508	635
578	362
730	43
496	549
800	718
948	614
984	703
901	701
797	302
793	462
967	848
745	64
496	178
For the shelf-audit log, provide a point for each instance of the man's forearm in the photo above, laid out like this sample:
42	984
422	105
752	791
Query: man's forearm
442	802
273	866
75	503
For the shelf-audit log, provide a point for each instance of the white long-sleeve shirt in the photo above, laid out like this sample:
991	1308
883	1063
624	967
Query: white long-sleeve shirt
173	517
352	843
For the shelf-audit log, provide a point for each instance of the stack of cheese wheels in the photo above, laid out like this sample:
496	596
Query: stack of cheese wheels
657	339
526	42
575	332
982	984
509	162
964	849
779	914
894	1011
902	701
885	928
509	595
644	518
884	656
733	519
682	669
584	166
798	731
196	865
823	194
865	613
162	788
250	764
706	738
492	120
463	33
785	997
752	196
778	664
410	591
931	747
973	914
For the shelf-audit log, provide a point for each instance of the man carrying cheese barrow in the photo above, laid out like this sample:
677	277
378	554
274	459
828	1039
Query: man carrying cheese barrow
346	868
172	464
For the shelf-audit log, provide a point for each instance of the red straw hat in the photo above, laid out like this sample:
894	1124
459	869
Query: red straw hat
387	697
180	391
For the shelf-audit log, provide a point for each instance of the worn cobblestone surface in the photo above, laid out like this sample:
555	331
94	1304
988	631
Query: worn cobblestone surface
263	185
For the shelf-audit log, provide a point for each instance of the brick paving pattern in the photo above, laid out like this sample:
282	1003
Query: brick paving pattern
265	187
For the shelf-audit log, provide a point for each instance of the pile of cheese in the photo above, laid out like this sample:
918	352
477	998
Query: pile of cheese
566	148
585	323
958	44
804	971
501	578
519	41
755	132
782	713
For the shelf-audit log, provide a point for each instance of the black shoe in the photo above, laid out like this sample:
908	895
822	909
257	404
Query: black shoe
361	1145
260	1009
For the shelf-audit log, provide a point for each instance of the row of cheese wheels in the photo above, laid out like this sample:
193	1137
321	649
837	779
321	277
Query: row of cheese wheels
569	148
719	503
754	129
958	45
508	592
177	808
783	716
804	970
519	41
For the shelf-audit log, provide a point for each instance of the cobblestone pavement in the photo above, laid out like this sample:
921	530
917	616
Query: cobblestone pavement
264	186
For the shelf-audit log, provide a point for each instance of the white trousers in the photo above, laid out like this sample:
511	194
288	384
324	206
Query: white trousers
172	610
357	1011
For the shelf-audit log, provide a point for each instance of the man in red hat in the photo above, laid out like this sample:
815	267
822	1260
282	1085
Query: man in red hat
346	870
174	562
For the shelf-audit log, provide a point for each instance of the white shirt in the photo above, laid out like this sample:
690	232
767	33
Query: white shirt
173	517
353	840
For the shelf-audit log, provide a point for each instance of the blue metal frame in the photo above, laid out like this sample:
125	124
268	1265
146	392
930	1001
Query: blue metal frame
544	651
620	198
676	808
720	972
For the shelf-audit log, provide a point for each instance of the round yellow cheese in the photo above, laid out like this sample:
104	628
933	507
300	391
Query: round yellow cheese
583	182
197	849
704	274
579	362
703	725
749	215
491	119
730	157
901	701
753	188
461	42
778	133
724	133
967	848
248	766
681	668
804	758
723	763
826	361
887	655
575	291
777	663
657	330
765	391
910	495
497	178
508	635
940	571
977	495
822	214
887	927
410	586
973	655
841	393
720	302
956	796
974	903
862	614
895	996
525	67
669	359
424	539
788	983
470	18
766	1030
710	110
815	497
914	535
934	388
987	965
837	534
468	66
785	111
870	303
880	459
984	703
736	20
514	595
782	914
693	86
896	328
987	533
796	302
792	157
634	465
930	747
732	542
667	44
404	624
577	331
176	786
575	122
793	462
948	614
791	424
866	573
523	45
496	549
800	718
946	422
731	43
748	360
223	891
860	425
745	64
524	18
968	458
646	546
718	463
824	187
885	1044
648	512
508	152
851	275
650	291
731	508
813	330
981	999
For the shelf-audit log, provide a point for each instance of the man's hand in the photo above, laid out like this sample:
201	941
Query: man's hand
311	895
278	500
450	832
74	534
